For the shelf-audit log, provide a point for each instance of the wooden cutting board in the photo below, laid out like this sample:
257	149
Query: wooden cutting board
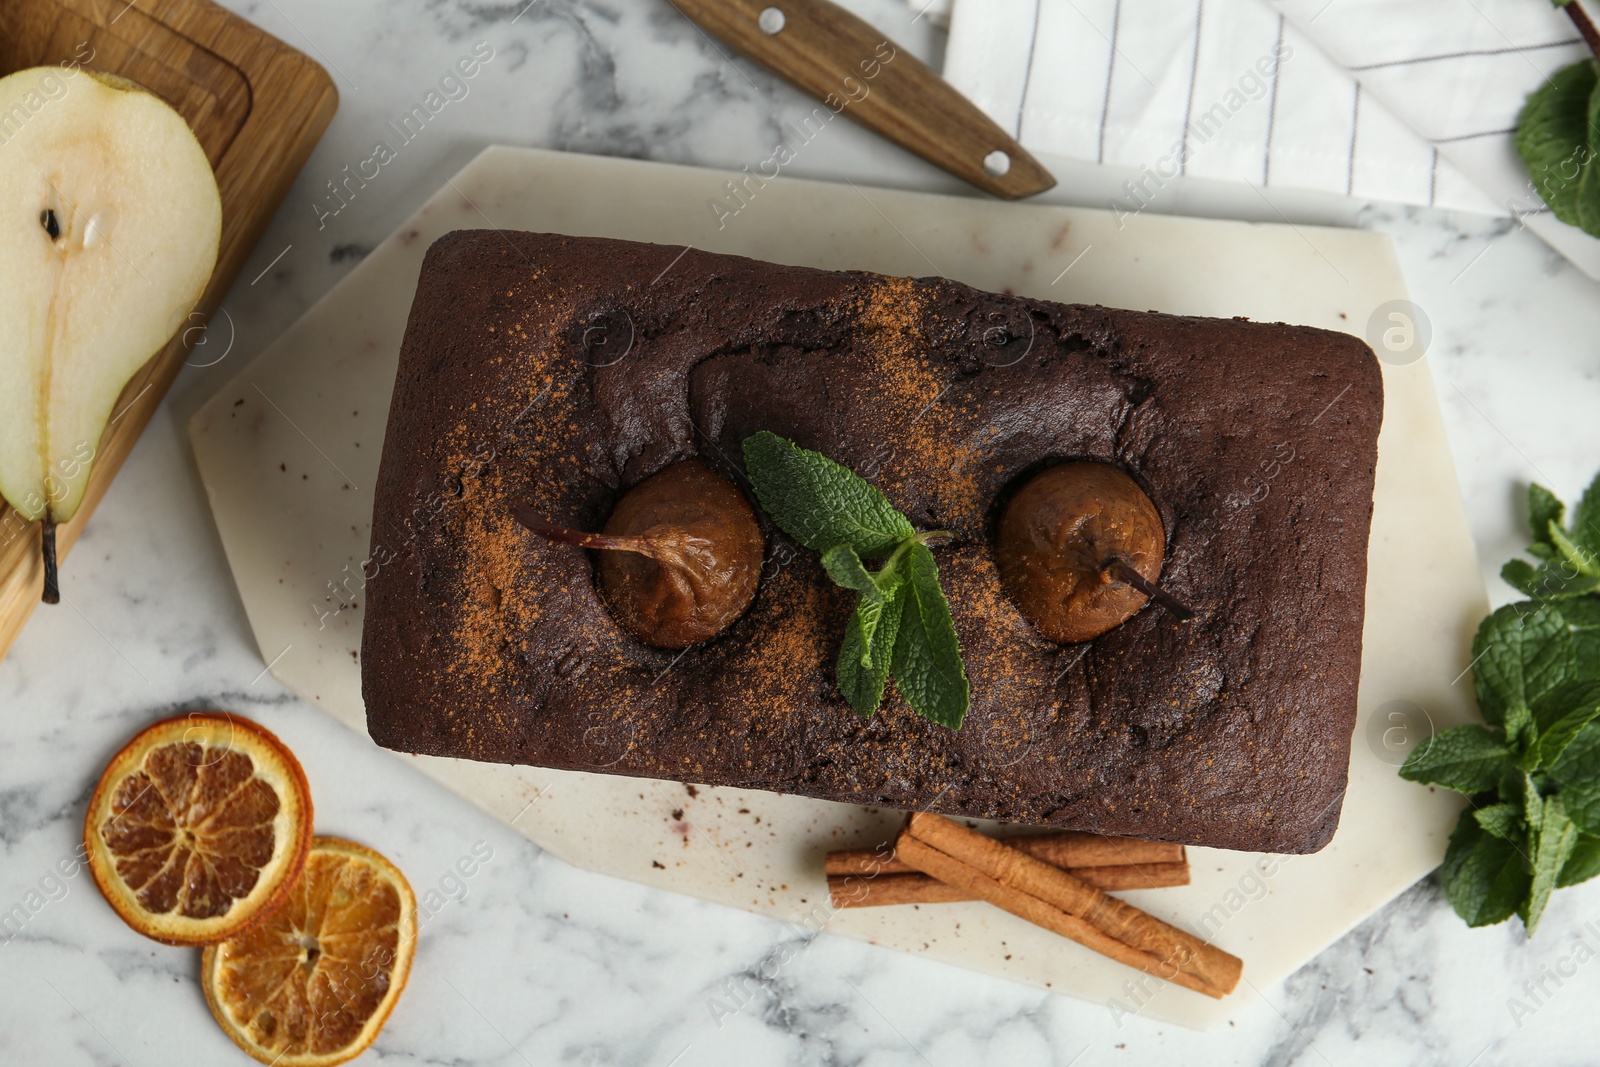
258	108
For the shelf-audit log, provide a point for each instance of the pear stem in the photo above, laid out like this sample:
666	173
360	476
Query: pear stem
1123	571
535	523
52	578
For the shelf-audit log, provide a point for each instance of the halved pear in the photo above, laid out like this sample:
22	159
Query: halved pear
109	224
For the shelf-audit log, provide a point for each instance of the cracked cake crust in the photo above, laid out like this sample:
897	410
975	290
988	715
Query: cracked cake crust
558	371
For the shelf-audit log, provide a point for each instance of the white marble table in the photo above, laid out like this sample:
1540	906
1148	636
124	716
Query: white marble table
533	962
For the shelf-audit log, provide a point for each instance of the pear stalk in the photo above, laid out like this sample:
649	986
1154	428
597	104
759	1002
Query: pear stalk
52	579
535	523
1121	570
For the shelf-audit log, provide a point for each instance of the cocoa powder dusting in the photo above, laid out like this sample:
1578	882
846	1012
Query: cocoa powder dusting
555	372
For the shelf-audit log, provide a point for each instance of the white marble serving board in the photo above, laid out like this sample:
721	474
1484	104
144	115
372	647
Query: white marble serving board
289	452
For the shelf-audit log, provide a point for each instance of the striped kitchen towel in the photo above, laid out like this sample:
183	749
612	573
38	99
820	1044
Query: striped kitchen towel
1412	101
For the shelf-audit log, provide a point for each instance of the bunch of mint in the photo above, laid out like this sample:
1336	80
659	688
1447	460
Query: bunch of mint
1558	136
902	621
1533	773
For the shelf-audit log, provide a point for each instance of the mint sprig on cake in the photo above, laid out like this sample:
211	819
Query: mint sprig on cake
902	624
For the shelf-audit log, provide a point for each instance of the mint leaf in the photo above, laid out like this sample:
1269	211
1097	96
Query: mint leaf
1580	760
1577	772
927	654
1588	203
1520	575
1549	581
1583	806
868	619
1459	847
1544	507
867	652
1571	702
1589	184
1586	522
846	569
1558	581
818	502
1519	727
1553	139
1468	759
1532	804
1583	864
1502	820
1564	699
1483	875
1553	845
1581	616
1554	738
1519	653
1586	562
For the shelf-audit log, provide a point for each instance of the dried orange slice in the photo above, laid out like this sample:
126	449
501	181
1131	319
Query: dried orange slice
313	983
198	827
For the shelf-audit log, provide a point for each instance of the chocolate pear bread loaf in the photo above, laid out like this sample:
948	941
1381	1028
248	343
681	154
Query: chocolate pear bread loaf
553	373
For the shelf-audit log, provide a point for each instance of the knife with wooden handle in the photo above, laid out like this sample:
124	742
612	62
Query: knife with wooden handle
857	71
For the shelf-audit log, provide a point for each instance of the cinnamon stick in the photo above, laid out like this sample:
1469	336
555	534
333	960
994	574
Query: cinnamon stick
872	891
1052	898
949	869
1071	849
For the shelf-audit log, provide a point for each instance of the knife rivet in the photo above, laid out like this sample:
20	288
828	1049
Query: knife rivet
771	21
997	163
